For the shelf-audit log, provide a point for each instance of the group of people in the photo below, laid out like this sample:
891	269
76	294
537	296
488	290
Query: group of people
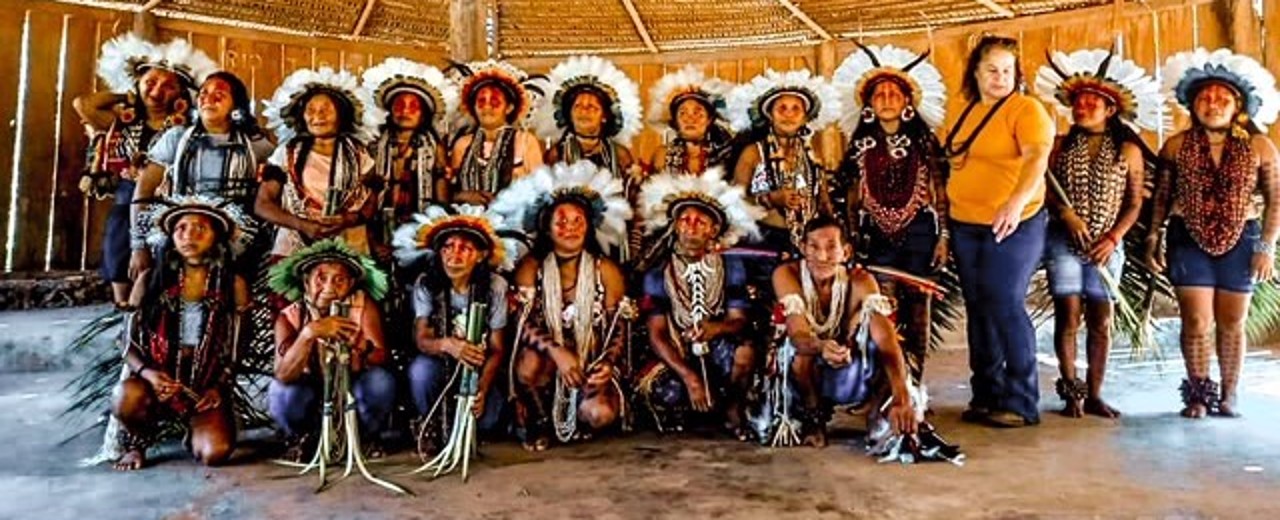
728	279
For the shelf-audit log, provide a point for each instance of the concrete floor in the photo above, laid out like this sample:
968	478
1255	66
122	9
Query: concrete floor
1151	463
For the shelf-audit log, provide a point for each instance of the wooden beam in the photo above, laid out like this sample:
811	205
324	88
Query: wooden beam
640	28
364	18
1246	27
813	26
467	41
996	8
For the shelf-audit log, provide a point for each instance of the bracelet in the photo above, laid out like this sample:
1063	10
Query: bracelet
1111	237
1263	246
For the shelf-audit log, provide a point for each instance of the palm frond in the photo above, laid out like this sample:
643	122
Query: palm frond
1263	323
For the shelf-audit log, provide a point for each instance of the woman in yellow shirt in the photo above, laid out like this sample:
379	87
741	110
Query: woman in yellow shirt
999	149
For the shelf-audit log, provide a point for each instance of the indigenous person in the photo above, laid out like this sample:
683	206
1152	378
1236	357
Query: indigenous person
781	110
572	327
494	148
321	181
845	344
695	300
894	176
216	156
409	152
464	254
1220	240
999	149
593	112
148	91
320	279
181	350
1099	167
688	108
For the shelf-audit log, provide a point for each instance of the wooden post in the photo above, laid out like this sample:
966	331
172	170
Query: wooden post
467	37
829	145
1246	29
144	25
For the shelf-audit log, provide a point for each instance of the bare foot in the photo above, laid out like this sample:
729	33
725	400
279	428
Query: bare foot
538	443
1073	409
1100	408
817	438
131	460
1194	411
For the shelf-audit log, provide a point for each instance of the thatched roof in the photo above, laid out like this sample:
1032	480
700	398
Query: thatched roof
559	27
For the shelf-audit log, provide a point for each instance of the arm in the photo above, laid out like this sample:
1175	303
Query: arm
885	335
614	289
787	288
1269	184
291	360
98	109
442	175
1131	207
267	207
374	351
495	353
659	340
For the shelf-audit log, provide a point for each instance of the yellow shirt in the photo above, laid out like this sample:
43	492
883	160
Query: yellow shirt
984	178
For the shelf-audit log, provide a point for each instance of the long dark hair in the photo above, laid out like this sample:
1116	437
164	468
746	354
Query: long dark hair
1120	134
168	272
969	84
544	245
346	112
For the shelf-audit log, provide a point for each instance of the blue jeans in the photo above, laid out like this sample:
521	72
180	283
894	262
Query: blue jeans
427	378
1002	342
295	407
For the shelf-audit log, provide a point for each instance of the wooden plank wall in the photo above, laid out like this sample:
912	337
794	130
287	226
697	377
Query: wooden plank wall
55	227
51	160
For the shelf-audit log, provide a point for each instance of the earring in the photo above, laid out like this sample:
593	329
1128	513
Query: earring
908	113
868	115
237	116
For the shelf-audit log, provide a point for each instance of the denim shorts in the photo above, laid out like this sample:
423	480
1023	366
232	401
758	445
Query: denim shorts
1072	275
1191	266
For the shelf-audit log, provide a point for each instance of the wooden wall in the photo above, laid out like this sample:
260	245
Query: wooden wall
56	228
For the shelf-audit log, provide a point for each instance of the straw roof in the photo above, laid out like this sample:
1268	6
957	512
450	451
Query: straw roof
561	27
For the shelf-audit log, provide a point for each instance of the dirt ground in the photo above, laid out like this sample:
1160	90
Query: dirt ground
1150	463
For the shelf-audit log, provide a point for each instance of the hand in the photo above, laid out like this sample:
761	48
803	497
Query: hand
1261	267
902	417
1153	256
163	385
211	400
1077	230
471	355
1007	219
139	263
707	332
600	375
941	254
697	393
1100	252
335	328
316	230
835	354
567	366
477	407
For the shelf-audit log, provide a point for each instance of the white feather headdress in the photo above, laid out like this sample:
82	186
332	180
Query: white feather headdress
596	74
1136	95
1186	72
749	102
870	65
523	202
686	83
164	213
396	75
421	237
525	89
663	195
283	110
126	57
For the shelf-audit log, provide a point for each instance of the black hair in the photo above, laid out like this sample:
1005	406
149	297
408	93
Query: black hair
246	123
969	83
426	126
544	245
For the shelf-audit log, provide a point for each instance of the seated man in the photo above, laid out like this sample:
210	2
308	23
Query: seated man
321	279
838	323
464	252
180	352
695	300
571	335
